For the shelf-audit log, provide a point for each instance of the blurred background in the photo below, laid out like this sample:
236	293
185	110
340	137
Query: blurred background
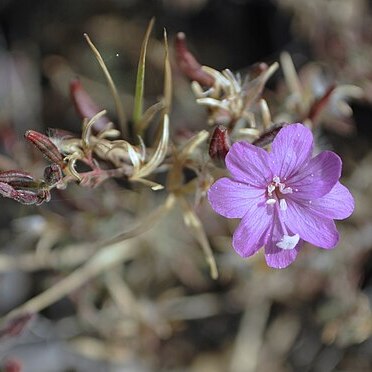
158	309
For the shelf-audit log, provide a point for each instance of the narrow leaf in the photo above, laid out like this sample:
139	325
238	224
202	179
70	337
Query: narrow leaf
167	77
118	104
148	116
138	97
159	154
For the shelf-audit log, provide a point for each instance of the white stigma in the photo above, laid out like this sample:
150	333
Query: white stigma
288	242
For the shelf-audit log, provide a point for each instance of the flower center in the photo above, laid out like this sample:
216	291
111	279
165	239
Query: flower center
276	190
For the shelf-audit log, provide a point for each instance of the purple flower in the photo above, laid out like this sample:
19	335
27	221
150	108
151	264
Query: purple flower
283	197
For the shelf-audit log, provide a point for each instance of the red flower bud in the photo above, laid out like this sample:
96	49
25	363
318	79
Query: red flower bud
45	146
12	365
85	106
320	103
189	65
15	326
219	145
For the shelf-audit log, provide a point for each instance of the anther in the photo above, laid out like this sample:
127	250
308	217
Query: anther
270	201
283	204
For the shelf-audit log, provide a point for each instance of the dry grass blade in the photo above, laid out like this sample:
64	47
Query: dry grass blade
193	222
138	97
189	147
251	333
153	185
256	86
109	256
121	294
159	153
212	102
148	116
87	127
265	113
114	91
70	256
167	77
290	74
111	253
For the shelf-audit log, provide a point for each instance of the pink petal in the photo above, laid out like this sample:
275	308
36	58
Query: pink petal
337	204
276	257
252	232
280	258
318	177
292	149
311	227
249	164
233	199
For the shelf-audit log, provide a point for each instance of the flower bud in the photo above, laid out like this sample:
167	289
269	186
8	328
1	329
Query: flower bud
220	143
86	107
45	146
189	65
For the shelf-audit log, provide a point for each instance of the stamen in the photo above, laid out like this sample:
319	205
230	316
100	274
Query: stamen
270	201
276	180
284	190
283	204
270	189
288	242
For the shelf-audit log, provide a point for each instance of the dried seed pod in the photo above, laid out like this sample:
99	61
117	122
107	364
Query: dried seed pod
189	65
17	178
219	145
26	197
22	196
45	146
43	195
6	190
